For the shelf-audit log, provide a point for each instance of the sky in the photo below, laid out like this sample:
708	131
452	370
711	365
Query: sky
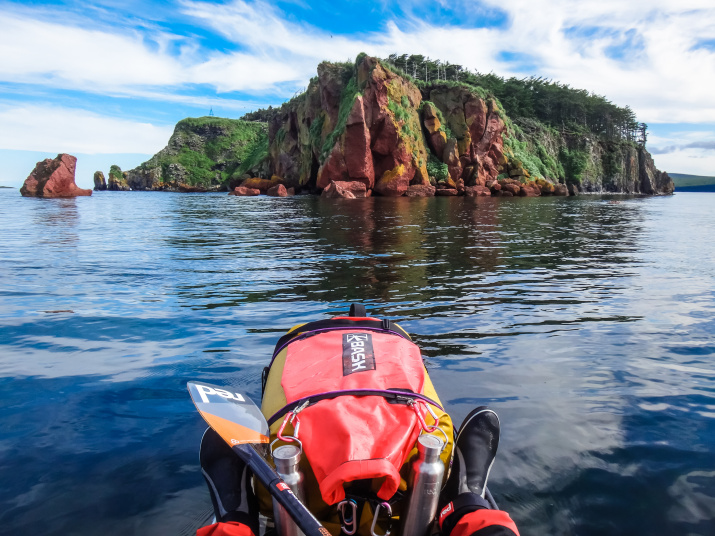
107	80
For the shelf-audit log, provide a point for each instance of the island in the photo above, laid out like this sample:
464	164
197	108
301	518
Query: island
387	127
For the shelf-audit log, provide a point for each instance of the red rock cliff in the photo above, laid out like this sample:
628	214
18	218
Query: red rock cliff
366	123
53	178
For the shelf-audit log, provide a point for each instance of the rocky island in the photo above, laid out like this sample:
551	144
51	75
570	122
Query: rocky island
368	128
54	177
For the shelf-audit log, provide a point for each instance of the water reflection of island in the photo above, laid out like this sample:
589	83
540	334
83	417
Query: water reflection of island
468	253
400	248
60	218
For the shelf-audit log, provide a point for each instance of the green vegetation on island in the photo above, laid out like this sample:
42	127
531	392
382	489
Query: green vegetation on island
539	112
552	103
204	152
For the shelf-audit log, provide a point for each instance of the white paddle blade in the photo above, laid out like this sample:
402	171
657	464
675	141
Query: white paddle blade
234	417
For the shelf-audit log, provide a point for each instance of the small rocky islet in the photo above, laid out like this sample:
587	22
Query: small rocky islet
54	177
367	128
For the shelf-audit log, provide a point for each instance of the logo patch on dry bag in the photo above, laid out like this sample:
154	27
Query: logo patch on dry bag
358	355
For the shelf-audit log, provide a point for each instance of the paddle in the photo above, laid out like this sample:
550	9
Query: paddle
241	424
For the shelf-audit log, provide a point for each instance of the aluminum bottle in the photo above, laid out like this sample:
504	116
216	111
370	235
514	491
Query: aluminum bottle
286	459
426	477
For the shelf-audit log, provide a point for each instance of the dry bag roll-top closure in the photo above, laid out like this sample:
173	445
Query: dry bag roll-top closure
357	390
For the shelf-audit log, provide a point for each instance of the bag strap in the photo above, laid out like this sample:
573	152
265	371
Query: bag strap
395	396
330	324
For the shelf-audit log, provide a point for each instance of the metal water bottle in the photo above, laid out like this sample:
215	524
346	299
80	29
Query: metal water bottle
286	459
426	477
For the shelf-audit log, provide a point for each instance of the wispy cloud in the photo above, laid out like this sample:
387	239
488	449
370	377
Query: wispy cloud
684	148
128	62
640	53
654	55
706	145
54	129
53	54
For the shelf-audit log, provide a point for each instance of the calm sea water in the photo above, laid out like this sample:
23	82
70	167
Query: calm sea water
586	324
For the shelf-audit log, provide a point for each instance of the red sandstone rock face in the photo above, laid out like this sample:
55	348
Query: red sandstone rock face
450	156
447	192
262	184
335	190
358	156
53	178
560	189
277	191
435	136
395	182
511	187
545	186
530	191
244	191
477	129
374	148
383	140
350	158
477	191
420	190
375	145
188	188
356	187
334	168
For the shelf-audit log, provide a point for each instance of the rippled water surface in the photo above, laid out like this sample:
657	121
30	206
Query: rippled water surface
586	324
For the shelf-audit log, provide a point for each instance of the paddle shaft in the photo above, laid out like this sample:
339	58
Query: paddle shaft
280	491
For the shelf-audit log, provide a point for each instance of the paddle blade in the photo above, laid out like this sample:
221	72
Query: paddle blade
234	417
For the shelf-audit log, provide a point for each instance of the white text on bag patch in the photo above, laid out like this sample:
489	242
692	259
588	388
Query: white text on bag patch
206	390
358	355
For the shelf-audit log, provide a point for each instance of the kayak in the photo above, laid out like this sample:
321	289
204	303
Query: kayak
349	426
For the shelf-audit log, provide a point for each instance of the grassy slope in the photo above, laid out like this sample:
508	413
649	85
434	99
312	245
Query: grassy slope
692	183
240	145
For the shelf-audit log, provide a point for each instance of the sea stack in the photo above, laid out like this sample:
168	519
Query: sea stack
100	183
53	178
117	179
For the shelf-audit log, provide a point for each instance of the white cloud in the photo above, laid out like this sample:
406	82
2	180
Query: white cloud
244	72
665	81
134	63
685	151
53	54
661	74
55	129
689	161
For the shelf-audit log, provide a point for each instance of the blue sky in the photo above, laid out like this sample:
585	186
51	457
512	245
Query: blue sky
107	80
